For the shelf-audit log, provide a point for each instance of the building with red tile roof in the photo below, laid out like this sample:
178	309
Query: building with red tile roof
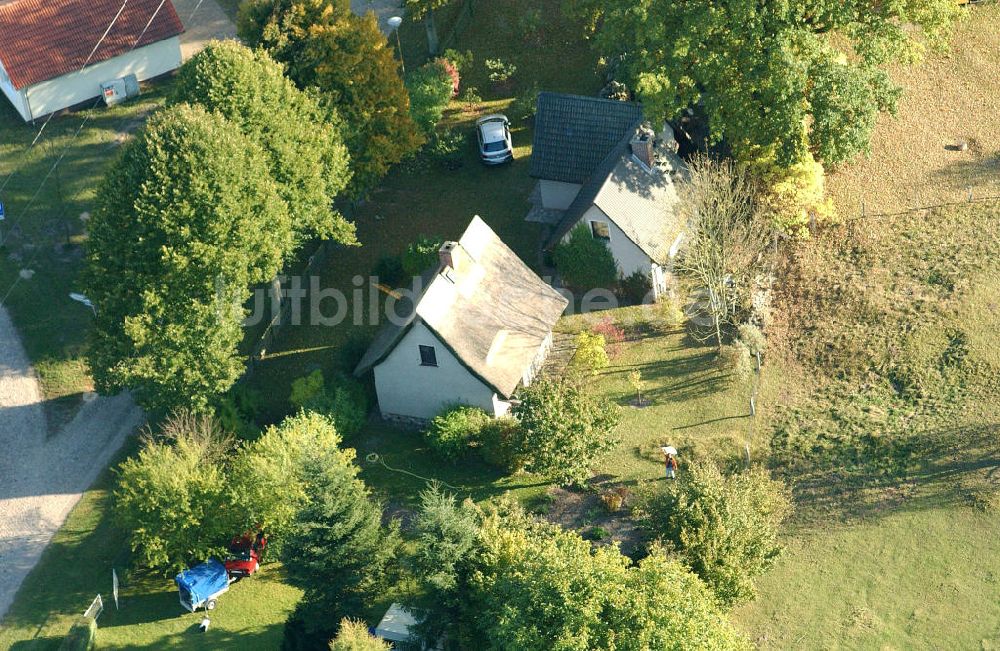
56	53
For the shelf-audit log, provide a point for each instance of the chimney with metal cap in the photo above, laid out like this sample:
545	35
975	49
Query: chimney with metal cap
642	146
447	255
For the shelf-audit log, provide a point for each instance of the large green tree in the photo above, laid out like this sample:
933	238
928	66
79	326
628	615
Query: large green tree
338	551
562	429
308	158
171	496
725	527
323	44
424	9
187	219
527	585
270	480
777	79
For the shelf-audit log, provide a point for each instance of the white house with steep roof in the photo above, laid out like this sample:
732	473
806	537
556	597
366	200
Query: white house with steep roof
478	327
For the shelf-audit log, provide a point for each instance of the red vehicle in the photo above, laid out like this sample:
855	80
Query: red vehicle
245	552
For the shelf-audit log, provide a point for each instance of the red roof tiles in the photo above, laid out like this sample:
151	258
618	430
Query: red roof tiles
43	39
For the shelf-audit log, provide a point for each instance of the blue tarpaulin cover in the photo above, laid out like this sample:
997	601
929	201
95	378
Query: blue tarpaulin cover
202	581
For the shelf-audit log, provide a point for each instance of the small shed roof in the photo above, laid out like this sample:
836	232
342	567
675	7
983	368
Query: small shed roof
44	39
573	134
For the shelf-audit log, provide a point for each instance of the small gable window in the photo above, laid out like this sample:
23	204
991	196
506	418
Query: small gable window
428	356
600	230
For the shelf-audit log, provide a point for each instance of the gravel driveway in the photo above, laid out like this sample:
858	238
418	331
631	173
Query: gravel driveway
42	477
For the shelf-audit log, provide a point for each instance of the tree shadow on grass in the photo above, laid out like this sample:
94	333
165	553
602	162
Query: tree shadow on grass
944	467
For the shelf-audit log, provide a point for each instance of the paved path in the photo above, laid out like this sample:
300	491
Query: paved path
42	477
203	20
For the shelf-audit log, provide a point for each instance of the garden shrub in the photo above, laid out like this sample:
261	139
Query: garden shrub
584	262
345	400
498	441
456	431
525	104
635	289
500	71
736	358
431	87
307	390
590	355
461	60
82	635
447	148
753	338
613	335
354	636
724	527
452	69
421	255
668	313
795	195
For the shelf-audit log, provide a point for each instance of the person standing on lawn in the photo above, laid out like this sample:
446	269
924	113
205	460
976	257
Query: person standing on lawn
671	466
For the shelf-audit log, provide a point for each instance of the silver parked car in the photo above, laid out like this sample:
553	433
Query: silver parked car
493	132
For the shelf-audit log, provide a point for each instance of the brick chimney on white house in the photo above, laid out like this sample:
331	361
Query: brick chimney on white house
447	254
642	146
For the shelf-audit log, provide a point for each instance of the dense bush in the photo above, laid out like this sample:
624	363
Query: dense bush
795	196
82	635
171	497
421	255
590	355
752	338
354	636
456	431
725	527
584	262
562	429
635	289
499	440
535	587
525	104
431	87
238	411
736	359
268	481
613	334
448	147
345	400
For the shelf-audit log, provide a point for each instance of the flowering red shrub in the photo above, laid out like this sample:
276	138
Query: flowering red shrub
453	73
613	335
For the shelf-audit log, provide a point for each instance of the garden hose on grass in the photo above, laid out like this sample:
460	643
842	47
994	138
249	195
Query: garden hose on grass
373	457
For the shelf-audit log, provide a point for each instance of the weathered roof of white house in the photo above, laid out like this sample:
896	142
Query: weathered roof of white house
44	39
640	200
490	309
573	134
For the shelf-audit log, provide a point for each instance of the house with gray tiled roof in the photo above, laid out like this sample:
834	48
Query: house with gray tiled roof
478	326
598	165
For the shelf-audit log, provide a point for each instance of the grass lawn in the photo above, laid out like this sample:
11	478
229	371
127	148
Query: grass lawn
913	579
45	236
950	97
881	400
